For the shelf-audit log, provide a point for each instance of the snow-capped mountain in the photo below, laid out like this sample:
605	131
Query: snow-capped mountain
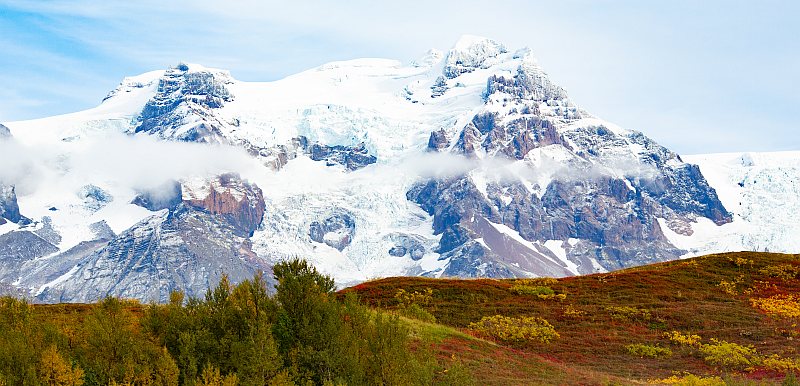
470	162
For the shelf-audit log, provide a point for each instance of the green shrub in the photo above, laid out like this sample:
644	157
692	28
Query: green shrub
523	289
648	351
521	329
541	292
415	311
536	281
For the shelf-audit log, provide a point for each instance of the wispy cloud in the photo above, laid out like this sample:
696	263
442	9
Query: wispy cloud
134	162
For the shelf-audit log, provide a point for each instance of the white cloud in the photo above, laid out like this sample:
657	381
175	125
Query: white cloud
137	163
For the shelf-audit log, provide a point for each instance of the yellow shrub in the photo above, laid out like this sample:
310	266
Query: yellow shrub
740	262
628	313
777	363
519	329
683	339
690	380
783	271
406	298
559	297
729	355
782	305
648	351
728	287
571	312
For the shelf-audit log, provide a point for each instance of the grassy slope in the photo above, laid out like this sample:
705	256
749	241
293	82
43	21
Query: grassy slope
680	295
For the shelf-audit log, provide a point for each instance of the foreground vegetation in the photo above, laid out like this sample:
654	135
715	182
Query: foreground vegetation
727	318
236	335
713	320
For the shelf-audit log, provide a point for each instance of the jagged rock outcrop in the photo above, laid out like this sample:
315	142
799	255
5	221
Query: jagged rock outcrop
238	202
351	157
9	208
47	232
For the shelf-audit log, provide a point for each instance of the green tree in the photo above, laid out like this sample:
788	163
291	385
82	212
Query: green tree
308	323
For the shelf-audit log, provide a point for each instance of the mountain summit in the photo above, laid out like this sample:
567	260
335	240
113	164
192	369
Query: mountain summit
468	163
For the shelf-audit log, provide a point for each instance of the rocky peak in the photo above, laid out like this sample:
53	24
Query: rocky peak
581	179
239	202
182	108
471	53
530	83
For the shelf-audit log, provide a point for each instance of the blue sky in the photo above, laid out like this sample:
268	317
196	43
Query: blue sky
697	76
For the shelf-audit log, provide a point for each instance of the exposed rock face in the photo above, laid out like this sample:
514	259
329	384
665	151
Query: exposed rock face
16	249
102	231
336	231
513	139
47	232
351	157
240	203
438	140
9	208
529	83
603	188
181	109
188	249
